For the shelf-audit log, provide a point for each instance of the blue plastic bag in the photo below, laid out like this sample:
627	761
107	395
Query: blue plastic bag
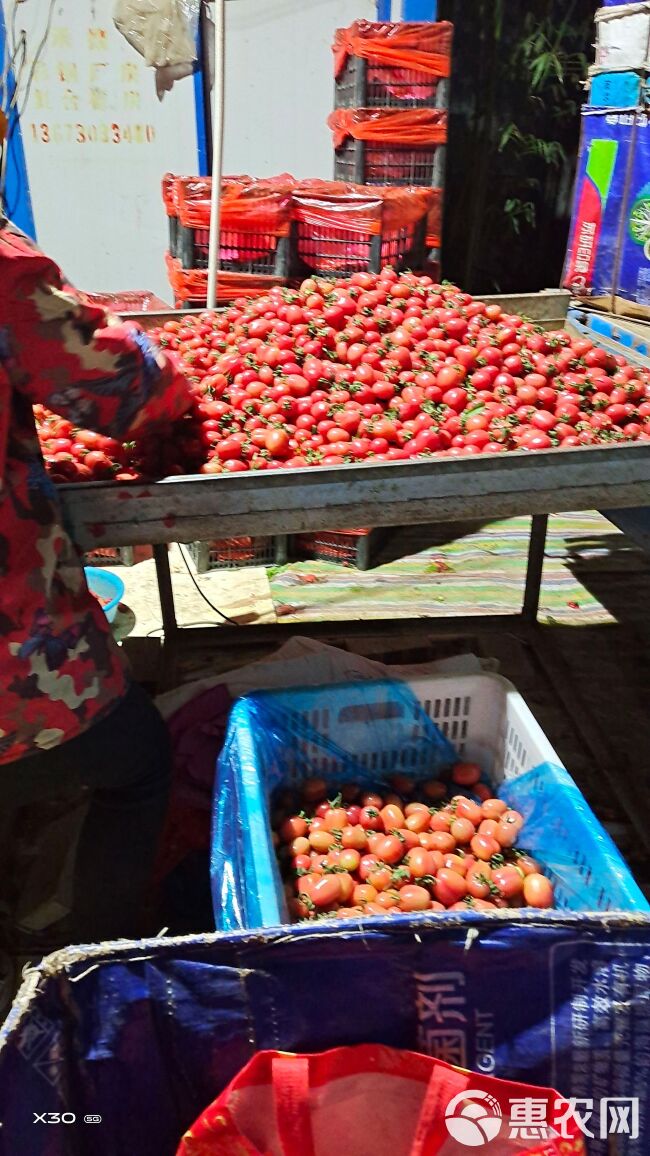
280	738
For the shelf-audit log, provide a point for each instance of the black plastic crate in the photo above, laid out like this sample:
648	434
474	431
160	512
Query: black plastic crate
356	548
174	226
337	252
233	553
362	84
363	163
261	252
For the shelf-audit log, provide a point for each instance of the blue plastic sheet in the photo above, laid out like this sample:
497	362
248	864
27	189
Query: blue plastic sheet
363	733
360	734
146	1035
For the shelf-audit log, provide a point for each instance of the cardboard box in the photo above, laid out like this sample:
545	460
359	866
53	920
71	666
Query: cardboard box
633	272
601	181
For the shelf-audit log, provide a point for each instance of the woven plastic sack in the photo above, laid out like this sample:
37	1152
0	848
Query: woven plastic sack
423	47
372	1100
414	126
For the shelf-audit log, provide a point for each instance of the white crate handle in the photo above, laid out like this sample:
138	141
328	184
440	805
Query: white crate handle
371	712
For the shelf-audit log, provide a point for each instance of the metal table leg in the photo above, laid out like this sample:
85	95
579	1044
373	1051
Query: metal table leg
168	613
536	548
165	590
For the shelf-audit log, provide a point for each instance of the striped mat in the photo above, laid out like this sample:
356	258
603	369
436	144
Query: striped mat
591	575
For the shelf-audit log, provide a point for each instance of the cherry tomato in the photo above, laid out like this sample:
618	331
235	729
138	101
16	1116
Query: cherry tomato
293	827
321	840
391	849
370	819
449	887
484	847
414	898
419	863
466	774
462	830
349	859
326	891
493	808
392	817
509	880
538	891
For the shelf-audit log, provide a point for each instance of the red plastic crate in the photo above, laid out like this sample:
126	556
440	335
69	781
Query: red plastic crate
366	78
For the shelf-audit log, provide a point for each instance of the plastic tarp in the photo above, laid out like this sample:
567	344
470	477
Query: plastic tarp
145	1035
414	126
422	47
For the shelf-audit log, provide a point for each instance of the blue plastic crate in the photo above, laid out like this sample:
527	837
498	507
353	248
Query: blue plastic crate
367	731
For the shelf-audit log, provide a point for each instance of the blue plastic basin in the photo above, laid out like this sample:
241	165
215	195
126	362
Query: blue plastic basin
105	585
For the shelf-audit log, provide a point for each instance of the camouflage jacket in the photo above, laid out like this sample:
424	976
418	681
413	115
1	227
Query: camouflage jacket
60	670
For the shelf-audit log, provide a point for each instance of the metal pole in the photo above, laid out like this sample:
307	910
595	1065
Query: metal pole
217	148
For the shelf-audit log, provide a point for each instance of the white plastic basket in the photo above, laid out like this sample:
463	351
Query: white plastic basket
483	715
282	737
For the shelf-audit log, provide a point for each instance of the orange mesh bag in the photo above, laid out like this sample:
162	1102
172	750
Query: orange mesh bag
388	146
193	194
192	197
168	194
434	220
130	301
425	47
168	187
190	286
413	126
342	228
375	1099
254	216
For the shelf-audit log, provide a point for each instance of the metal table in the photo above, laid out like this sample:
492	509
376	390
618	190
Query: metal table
396	494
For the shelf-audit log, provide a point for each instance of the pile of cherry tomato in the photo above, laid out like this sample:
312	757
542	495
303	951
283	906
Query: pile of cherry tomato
416	847
377	367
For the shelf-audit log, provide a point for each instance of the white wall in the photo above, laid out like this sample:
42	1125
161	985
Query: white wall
280	83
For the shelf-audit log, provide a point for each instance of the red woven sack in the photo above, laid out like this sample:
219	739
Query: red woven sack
374	1101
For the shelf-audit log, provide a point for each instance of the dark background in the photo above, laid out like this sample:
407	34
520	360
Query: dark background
516	92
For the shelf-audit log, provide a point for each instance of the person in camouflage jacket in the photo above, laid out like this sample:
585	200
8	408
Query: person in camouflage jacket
69	716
